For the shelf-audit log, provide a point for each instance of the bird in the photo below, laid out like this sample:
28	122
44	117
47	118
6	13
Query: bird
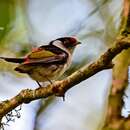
47	62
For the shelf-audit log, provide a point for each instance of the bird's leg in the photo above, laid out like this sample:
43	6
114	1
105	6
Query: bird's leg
49	80
39	84
63	97
46	78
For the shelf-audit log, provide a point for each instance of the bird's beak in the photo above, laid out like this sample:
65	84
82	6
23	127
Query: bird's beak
78	43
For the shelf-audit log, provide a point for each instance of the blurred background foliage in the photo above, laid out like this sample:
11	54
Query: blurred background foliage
6	14
25	24
13	35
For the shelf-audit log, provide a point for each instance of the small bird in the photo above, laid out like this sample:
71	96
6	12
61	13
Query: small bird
47	62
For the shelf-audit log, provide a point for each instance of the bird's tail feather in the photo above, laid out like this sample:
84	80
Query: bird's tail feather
14	60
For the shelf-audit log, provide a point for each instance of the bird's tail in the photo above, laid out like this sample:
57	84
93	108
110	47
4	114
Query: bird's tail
14	60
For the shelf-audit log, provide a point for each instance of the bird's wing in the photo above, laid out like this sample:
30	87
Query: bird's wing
41	53
56	59
29	64
46	55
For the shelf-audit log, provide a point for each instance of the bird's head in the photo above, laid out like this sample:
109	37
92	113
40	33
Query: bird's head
68	43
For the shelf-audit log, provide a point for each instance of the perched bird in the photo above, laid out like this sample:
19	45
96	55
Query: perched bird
47	62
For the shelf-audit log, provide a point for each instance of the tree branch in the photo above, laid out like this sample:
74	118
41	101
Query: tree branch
58	88
114	120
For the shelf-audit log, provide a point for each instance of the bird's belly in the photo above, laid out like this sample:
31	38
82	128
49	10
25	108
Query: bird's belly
43	74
